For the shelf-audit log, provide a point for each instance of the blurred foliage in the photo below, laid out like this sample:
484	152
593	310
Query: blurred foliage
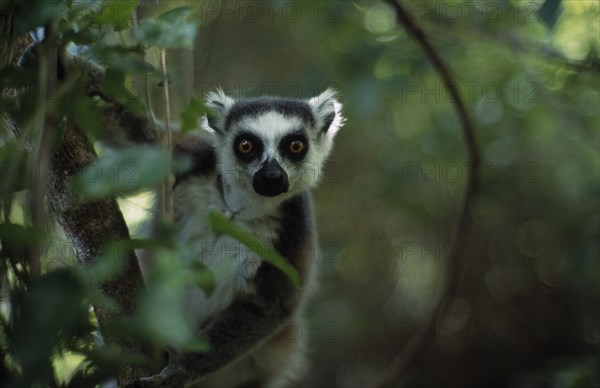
223	225
49	335
527	311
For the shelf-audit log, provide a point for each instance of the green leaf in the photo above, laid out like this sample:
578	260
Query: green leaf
125	171
196	345
29	15
163	313
176	15
113	258
140	243
165	231
74	103
113	85
51	313
14	174
17	239
21	112
19	77
84	37
117	14
203	277
221	224
95	377
549	12
169	30
104	362
127	59
189	117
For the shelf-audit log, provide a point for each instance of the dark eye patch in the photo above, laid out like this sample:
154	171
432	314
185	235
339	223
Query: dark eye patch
287	140
257	147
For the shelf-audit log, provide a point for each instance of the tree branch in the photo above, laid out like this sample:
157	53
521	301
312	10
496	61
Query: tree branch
120	125
416	345
165	194
91	226
45	123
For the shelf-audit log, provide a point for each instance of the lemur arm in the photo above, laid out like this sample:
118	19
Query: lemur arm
243	325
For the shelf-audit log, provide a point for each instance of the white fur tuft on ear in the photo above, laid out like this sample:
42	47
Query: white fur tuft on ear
328	112
219	103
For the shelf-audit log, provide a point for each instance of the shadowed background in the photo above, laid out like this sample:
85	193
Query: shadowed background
525	311
528	72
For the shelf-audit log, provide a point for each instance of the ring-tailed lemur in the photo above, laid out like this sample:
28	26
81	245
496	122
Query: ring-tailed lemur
266	154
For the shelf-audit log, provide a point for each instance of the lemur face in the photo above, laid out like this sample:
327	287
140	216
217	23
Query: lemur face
273	147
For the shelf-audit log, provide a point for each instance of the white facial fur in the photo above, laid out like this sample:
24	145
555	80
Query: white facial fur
270	127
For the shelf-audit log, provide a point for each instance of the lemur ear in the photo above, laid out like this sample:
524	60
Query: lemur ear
327	111
219	104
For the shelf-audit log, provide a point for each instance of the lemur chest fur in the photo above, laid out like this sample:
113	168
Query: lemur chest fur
233	264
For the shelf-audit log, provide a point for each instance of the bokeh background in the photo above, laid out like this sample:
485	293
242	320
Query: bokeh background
526	312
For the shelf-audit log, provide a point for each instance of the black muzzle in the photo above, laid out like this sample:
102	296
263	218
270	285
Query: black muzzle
271	180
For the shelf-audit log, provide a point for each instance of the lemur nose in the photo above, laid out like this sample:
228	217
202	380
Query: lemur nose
273	176
271	179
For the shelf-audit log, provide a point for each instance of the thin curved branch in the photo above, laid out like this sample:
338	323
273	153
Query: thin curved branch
407	356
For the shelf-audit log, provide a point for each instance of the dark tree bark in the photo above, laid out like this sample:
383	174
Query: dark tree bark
91	226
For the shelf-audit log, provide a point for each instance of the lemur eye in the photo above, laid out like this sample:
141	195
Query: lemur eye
245	146
296	146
